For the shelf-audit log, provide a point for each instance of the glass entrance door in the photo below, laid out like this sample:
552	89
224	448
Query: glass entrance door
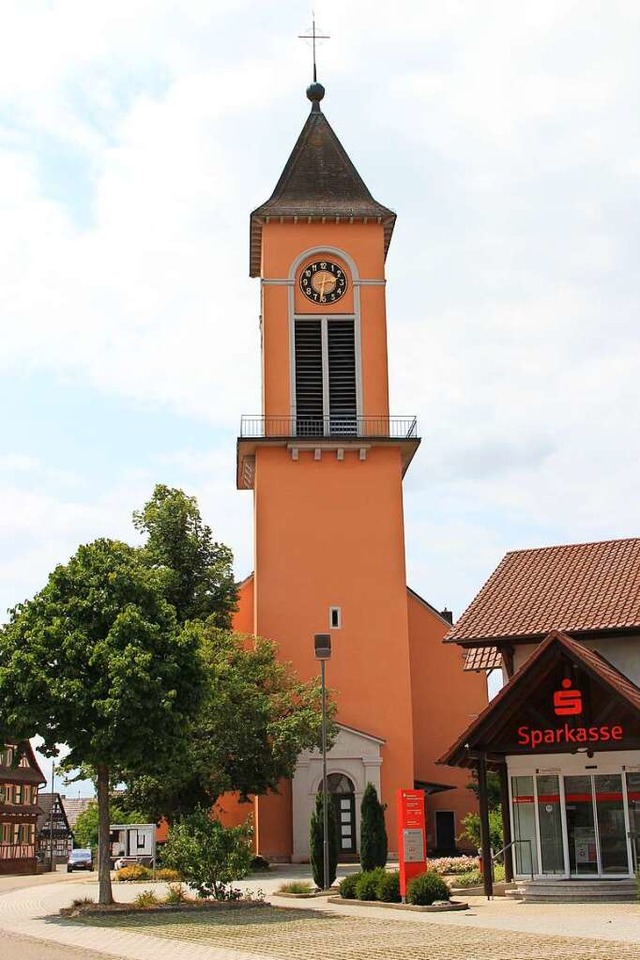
596	826
576	826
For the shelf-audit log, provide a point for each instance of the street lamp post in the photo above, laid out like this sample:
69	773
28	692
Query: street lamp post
322	649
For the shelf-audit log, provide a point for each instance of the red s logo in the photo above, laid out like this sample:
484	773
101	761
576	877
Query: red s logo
567	702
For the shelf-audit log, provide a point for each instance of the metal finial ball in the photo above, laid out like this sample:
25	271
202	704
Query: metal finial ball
315	92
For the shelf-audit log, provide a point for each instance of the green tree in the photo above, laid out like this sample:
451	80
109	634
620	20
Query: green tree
208	855
196	571
471	829
373	834
254	720
493	788
85	831
316	842
95	660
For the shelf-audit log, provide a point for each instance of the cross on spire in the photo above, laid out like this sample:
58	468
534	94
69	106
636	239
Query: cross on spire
313	36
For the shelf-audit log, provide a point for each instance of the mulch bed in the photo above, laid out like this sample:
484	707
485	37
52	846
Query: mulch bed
122	909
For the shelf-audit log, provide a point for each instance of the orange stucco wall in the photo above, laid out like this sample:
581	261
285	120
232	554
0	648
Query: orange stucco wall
445	699
330	533
244	618
282	244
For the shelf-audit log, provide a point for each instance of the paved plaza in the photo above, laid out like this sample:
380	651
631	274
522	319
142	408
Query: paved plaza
316	930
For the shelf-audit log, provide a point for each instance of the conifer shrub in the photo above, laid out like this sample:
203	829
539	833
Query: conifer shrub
373	834
347	886
426	888
389	887
316	839
367	884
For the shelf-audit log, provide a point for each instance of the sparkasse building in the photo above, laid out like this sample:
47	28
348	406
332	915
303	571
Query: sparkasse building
563	624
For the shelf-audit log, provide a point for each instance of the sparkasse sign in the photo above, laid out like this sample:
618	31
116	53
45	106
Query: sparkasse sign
568	702
534	736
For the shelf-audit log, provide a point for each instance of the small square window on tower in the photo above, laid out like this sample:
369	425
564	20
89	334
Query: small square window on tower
335	618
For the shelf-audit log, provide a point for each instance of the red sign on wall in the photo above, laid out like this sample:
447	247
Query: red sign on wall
567	701
412	847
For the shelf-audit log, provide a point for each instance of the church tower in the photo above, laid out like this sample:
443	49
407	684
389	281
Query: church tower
325	460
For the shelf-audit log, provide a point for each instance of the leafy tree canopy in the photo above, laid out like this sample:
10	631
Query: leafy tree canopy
493	788
96	661
253	722
196	571
85	831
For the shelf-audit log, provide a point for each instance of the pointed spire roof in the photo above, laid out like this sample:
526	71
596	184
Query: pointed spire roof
319	182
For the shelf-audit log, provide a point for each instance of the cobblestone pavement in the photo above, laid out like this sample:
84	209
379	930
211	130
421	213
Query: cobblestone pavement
316	930
27	948
302	934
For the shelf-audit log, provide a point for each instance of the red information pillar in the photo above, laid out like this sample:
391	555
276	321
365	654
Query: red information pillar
412	835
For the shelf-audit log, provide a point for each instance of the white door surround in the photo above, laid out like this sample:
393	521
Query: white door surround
356	755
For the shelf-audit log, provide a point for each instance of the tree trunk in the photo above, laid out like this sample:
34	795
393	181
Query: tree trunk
104	848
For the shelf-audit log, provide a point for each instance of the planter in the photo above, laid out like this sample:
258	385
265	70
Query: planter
432	908
499	890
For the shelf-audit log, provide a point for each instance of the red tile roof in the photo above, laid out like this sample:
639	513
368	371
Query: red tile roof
482	658
582	587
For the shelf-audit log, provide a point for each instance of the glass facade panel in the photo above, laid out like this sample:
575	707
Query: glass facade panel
633	796
524	825
611	825
583	855
550	825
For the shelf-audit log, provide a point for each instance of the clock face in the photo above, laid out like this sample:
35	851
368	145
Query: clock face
323	281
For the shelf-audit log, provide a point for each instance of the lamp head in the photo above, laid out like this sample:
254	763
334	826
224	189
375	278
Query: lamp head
322	646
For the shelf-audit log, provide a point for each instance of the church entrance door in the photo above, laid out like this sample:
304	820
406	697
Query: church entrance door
344	806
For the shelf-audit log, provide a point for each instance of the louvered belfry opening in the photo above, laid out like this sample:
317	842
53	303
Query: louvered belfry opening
342	377
325	378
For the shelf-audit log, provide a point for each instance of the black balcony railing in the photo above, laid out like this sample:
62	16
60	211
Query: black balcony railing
389	428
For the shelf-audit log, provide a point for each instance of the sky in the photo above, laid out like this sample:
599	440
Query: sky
135	139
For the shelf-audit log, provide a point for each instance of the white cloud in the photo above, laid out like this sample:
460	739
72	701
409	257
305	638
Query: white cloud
506	135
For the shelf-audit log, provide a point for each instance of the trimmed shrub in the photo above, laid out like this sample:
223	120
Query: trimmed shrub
367	884
347	886
373	834
389	887
259	864
426	888
316	841
133	873
168	875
